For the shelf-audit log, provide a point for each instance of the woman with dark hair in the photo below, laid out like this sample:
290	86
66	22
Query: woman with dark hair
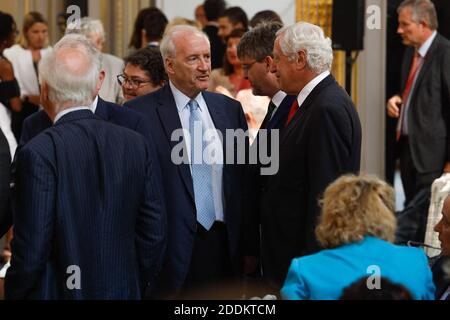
25	56
9	87
230	78
357	229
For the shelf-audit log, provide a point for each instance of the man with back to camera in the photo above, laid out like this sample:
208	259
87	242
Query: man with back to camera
85	198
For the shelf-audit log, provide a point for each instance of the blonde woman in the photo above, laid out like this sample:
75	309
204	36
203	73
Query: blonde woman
356	228
25	56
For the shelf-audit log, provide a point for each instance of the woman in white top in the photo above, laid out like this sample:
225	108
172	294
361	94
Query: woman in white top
9	88
25	56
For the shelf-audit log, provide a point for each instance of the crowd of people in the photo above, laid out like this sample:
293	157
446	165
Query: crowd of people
219	160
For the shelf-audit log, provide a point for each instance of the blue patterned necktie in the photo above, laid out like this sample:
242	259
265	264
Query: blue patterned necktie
201	171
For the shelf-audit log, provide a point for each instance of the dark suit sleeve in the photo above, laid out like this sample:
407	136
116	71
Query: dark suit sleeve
250	208
151	229
34	200
25	136
329	149
445	71
5	163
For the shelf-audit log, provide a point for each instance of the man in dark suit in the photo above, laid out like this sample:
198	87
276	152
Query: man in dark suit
321	141
422	108
255	51
200	254
88	221
441	267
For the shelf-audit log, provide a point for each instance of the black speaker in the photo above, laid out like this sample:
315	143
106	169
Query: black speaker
348	24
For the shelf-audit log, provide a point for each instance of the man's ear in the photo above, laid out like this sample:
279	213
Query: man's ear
268	63
44	93
45	101
101	78
301	60
169	65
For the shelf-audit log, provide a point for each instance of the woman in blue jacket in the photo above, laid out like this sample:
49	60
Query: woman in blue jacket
356	228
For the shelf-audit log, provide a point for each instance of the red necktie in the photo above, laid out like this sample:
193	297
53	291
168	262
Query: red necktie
292	112
412	74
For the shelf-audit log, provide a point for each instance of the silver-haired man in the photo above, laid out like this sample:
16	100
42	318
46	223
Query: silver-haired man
88	218
321	141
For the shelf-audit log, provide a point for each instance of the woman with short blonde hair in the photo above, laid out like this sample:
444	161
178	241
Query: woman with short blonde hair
354	207
356	228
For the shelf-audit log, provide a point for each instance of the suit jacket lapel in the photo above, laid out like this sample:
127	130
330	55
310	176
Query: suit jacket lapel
279	118
170	119
426	64
217	114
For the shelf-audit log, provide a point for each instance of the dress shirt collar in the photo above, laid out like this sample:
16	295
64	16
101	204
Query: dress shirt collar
181	100
278	98
423	50
310	87
69	110
94	104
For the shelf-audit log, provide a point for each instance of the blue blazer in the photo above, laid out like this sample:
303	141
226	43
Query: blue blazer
162	117
324	275
85	196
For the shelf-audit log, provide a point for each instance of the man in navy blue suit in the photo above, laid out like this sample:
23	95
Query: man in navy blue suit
255	51
89	222
320	142
203	198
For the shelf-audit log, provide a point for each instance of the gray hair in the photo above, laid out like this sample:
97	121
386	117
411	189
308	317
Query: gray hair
309	38
167	45
87	27
258	42
422	11
65	84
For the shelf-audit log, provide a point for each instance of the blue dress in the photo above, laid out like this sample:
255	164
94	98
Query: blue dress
324	275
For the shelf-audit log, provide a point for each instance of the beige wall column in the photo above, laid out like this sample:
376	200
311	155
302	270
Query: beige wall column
371	93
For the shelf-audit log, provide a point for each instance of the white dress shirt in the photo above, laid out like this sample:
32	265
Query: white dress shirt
92	107
277	99
310	87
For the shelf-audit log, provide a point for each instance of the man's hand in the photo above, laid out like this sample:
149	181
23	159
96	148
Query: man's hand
393	106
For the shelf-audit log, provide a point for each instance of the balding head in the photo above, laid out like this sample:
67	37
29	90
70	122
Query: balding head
70	74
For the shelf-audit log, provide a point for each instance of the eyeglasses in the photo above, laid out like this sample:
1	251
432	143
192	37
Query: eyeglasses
247	66
133	83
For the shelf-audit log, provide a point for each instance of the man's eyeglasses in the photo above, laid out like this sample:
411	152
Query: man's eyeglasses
247	66
133	83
